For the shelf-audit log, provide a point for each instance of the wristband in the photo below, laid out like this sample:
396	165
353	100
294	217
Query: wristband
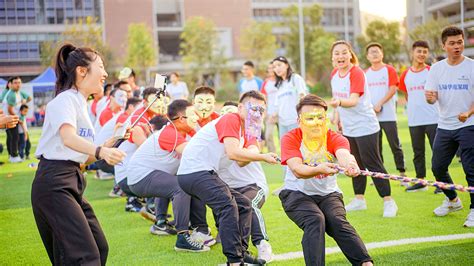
340	103
97	152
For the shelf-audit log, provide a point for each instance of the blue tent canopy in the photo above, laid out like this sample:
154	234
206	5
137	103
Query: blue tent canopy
48	76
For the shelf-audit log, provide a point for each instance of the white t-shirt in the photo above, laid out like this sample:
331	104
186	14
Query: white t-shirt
419	112
156	153
205	149
359	120
120	172
292	147
245	85
178	91
379	83
237	177
69	107
270	91
288	96
455	87
107	131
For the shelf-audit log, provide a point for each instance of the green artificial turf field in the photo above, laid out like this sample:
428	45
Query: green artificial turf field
131	243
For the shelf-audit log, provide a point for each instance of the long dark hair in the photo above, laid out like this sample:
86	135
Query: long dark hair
67	60
289	71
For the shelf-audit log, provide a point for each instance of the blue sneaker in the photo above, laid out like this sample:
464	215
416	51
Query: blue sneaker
184	242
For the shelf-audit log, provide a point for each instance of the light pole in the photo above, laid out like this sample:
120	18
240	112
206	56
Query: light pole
301	31
462	14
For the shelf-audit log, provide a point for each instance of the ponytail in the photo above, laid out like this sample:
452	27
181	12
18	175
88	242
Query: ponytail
67	60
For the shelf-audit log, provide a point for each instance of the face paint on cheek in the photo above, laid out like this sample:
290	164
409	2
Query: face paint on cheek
204	104
121	98
314	128
254	120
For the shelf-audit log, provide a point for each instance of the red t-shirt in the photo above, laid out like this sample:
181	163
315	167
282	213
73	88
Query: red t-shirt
291	144
204	121
170	138
230	126
105	116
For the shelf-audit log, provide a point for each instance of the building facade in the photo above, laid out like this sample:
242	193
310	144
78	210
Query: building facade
422	11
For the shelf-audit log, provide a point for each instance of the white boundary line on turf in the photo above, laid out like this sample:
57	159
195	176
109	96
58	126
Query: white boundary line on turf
382	244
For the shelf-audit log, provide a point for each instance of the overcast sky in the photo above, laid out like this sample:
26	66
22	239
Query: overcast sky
389	9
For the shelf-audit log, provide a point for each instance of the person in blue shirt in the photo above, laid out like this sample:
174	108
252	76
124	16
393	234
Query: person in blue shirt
249	81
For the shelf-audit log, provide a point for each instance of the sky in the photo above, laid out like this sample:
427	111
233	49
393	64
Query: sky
389	9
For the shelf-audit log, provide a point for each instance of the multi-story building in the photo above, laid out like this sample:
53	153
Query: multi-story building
422	11
24	24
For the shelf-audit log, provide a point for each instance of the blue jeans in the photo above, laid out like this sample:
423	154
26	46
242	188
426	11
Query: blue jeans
445	145
24	146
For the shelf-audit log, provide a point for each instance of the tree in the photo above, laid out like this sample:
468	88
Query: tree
317	41
141	49
430	32
385	33
85	33
200	50
258	43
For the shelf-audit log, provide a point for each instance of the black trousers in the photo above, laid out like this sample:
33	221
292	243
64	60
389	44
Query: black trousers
417	135
391	130
13	140
66	222
445	146
367	154
317	215
104	166
232	208
256	195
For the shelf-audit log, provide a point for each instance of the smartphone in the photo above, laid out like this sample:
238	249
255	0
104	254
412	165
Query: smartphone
159	81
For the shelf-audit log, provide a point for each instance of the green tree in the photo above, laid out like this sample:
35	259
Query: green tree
317	41
141	51
385	33
85	33
200	50
430	32
258	43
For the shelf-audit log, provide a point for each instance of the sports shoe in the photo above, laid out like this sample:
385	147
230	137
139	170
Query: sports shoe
448	206
116	192
470	219
356	205
416	187
101	175
15	159
265	251
162	228
390	209
251	260
185	242
438	191
202	238
133	205
147	213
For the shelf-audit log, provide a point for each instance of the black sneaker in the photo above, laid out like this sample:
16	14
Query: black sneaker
438	191
133	205
251	260
416	187
162	228
184	242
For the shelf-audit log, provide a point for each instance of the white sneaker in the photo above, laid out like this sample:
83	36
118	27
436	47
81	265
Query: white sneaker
390	209
265	251
356	205
16	159
101	175
469	220
204	239
447	206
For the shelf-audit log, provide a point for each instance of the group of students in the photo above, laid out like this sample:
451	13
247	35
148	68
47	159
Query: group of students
187	153
14	106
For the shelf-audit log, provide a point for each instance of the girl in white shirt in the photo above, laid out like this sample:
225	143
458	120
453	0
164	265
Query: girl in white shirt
351	98
67	224
177	89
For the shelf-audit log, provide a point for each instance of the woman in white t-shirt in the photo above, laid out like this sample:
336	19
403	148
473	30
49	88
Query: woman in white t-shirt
67	224
360	126
291	87
177	89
